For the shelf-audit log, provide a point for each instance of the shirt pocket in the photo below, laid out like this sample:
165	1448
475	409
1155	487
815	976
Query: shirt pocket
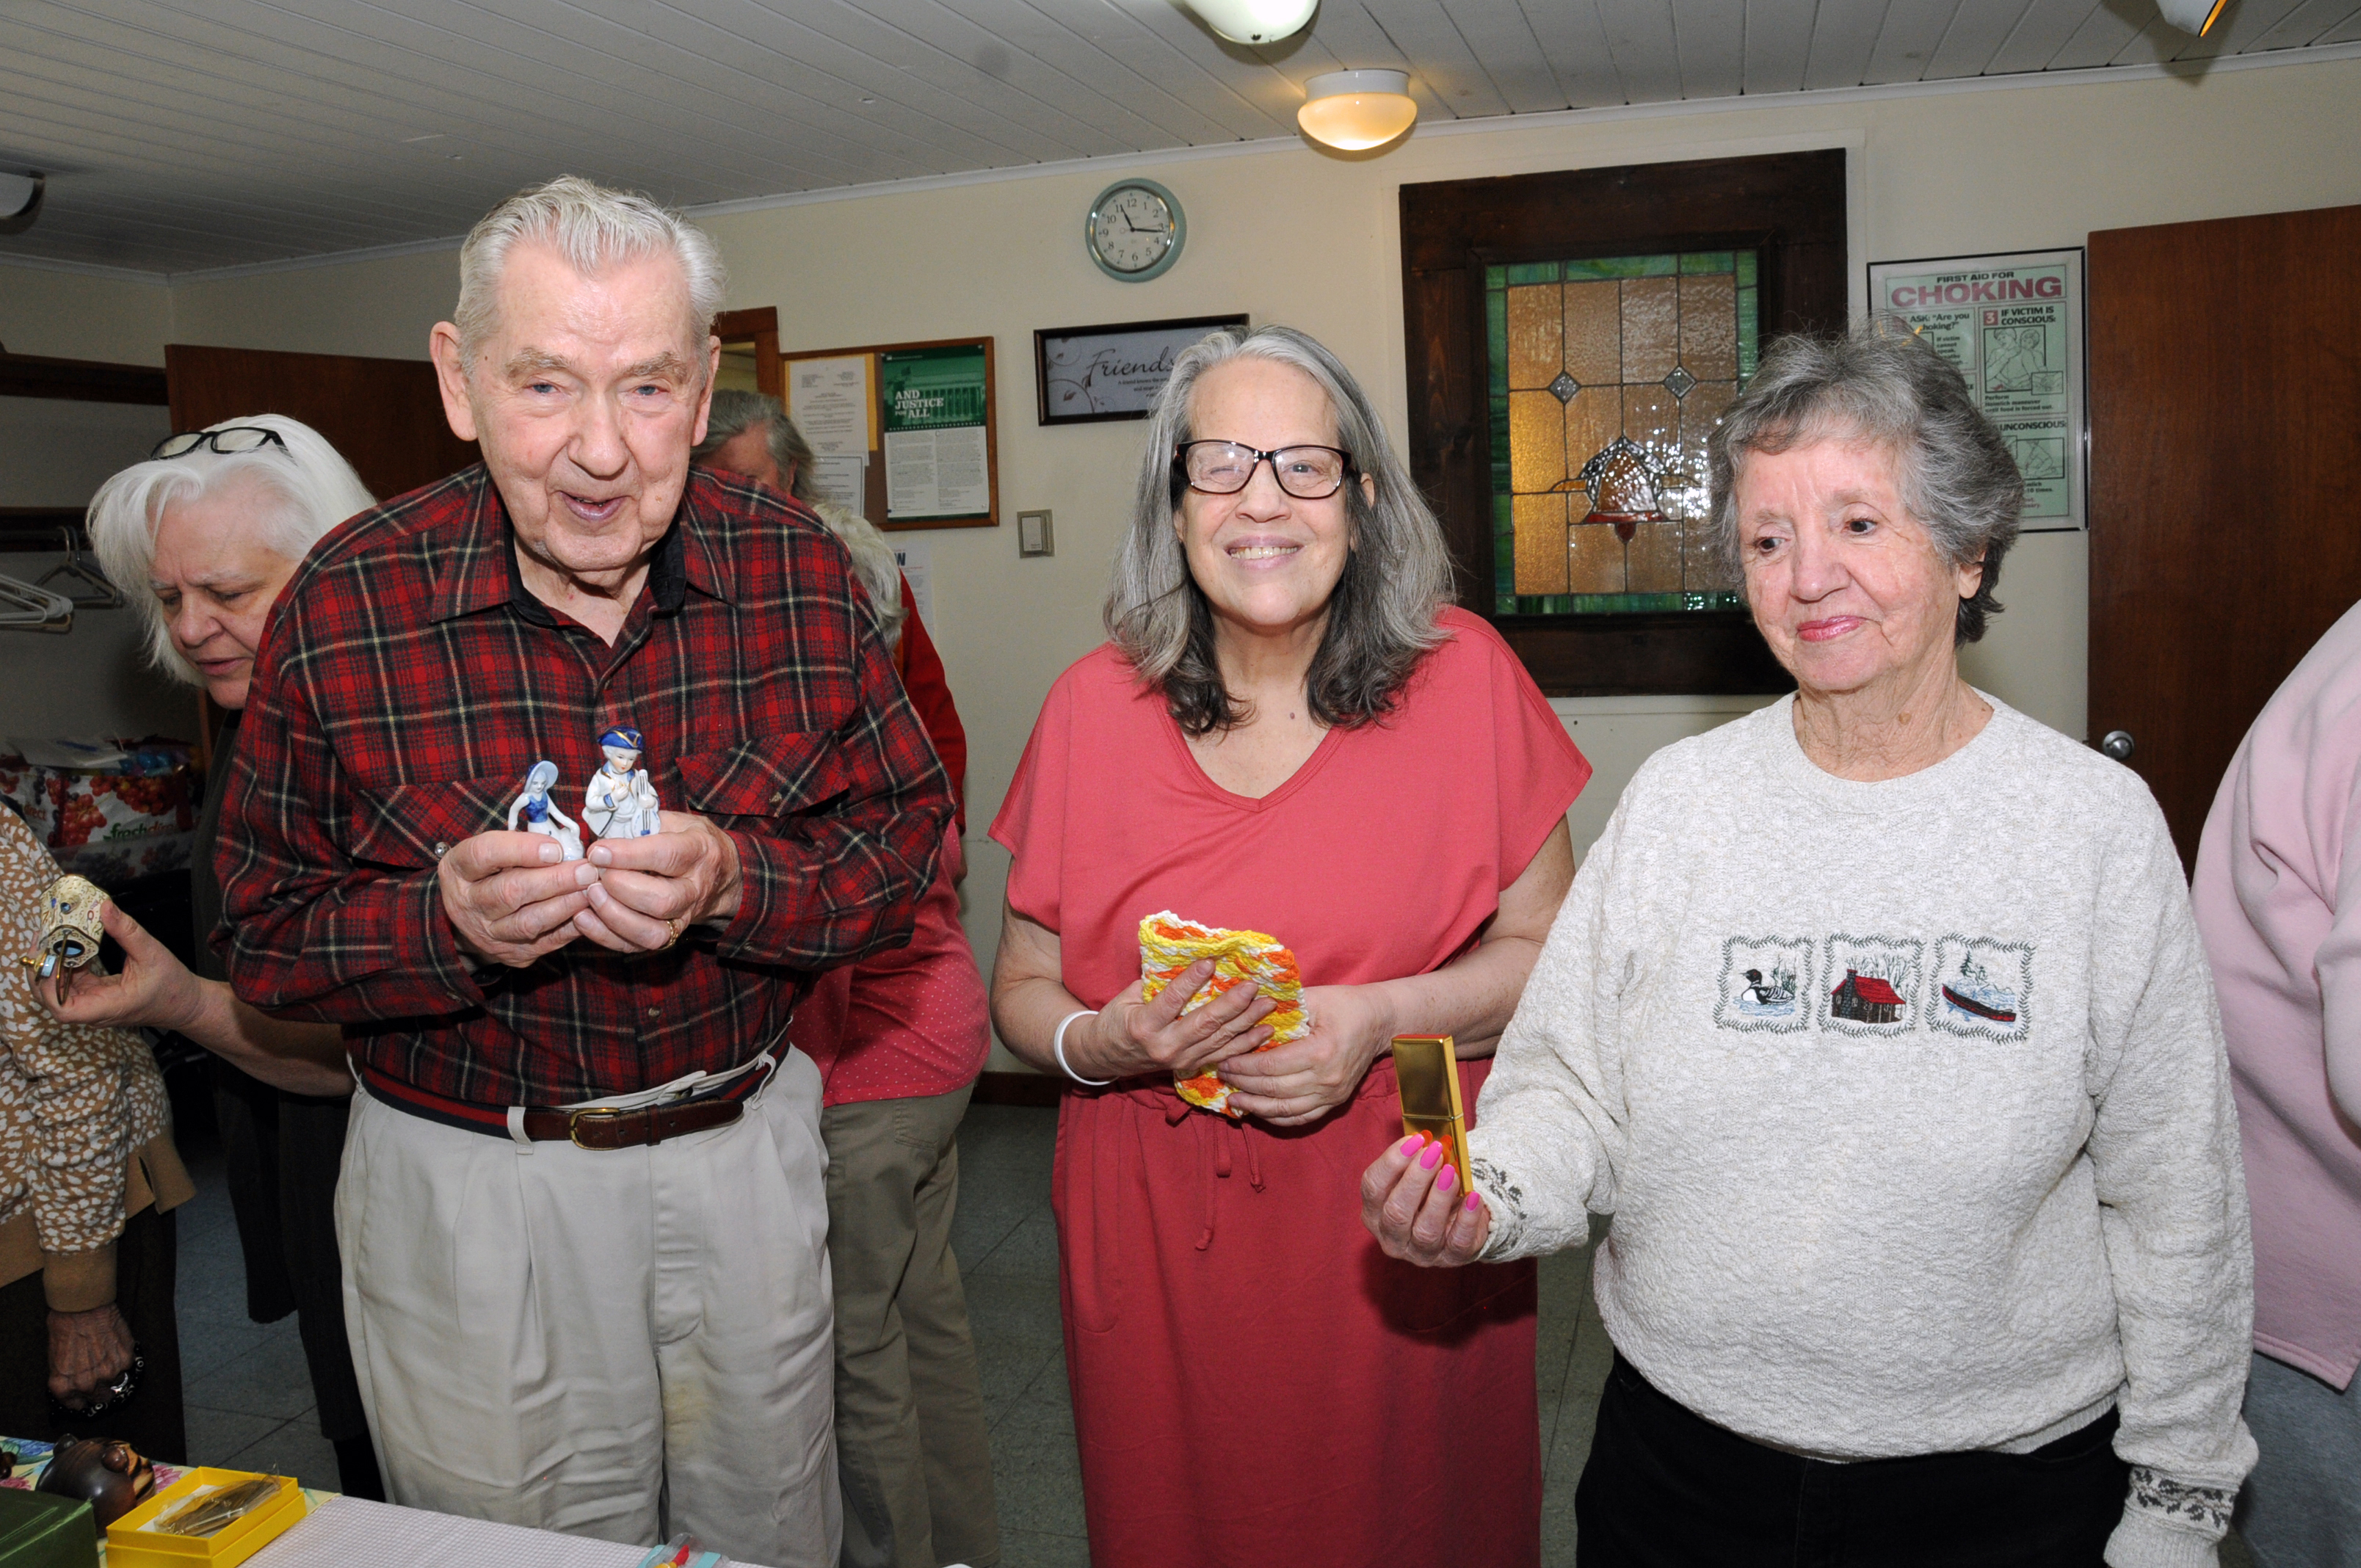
409	827
783	774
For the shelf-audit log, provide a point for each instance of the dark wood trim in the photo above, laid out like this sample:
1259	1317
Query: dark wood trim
761	323
1790	207
80	380
1015	1089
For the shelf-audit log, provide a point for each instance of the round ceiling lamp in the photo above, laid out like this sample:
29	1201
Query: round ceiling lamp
1356	110
20	201
1254	21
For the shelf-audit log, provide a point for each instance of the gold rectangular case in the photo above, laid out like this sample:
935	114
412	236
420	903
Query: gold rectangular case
1428	1070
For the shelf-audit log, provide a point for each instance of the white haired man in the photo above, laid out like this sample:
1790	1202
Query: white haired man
581	1208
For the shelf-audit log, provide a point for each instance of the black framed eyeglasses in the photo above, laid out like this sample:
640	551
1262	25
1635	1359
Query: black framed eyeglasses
1225	467
229	439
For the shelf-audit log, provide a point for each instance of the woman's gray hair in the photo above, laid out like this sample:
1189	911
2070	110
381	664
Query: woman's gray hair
591	227
307	486
1382	617
1882	384
736	412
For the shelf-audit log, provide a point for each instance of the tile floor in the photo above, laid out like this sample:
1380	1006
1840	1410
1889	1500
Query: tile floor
249	1397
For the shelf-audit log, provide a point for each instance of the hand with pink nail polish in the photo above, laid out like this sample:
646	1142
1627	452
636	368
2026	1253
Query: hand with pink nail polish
1411	1202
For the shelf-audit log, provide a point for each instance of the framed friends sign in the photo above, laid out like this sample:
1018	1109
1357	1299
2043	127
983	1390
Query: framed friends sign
1086	374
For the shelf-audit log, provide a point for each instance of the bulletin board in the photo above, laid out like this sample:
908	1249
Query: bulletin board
909	429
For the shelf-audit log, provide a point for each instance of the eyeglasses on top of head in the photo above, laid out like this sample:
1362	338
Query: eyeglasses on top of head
1225	467
229	441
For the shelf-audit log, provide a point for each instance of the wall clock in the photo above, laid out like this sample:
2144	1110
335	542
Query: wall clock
1134	230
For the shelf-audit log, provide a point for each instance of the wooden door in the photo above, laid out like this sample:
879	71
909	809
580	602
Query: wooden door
2226	452
384	415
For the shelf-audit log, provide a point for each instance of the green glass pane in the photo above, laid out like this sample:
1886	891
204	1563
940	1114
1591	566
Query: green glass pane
1504	547
1533	272
1506	603
1746	269
1704	262
1657	266
1496	330
1599	267
1748	333
1495	277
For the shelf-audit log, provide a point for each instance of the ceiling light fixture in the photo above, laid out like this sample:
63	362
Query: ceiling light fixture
2192	17
1254	21
20	201
1356	110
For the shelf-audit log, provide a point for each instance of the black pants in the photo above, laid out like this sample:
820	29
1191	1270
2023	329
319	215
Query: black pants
151	1421
1666	1489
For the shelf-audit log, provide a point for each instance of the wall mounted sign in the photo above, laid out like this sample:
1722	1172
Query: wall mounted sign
1084	374
909	428
2013	325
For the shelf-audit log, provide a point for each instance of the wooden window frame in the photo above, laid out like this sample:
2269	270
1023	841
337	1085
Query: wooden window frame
761	324
1789	207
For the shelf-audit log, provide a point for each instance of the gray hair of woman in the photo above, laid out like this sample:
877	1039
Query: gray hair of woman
303	485
1884	385
736	412
591	227
1382	617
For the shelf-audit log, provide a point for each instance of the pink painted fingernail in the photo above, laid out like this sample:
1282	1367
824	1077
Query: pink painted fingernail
1410	1145
1448	1179
1433	1154
1472	1200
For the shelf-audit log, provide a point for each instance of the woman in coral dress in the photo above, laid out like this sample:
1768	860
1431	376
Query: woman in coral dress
1289	732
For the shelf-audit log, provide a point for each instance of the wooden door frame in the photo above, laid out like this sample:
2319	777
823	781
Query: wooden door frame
1789	206
760	323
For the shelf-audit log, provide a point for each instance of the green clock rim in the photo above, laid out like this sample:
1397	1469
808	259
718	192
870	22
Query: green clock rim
1164	263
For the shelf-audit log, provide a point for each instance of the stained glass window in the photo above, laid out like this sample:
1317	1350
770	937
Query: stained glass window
1607	375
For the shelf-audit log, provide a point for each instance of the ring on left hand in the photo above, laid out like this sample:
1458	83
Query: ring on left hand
672	932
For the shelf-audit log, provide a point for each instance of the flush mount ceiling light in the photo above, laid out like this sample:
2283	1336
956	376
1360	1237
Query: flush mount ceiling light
2191	15
1254	21
1356	110
20	201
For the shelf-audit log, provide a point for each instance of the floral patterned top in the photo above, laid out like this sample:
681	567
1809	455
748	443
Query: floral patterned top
84	1127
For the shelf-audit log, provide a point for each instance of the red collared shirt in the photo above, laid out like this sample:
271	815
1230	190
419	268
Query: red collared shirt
406	683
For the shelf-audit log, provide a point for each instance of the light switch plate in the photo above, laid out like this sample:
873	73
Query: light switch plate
1034	536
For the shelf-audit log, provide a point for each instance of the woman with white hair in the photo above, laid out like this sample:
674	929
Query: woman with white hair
1878	1022
1290	730
202	536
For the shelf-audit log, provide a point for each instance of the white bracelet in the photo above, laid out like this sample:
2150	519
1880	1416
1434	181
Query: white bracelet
1057	1047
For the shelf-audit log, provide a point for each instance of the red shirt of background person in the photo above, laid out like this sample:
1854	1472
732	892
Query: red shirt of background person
1289	732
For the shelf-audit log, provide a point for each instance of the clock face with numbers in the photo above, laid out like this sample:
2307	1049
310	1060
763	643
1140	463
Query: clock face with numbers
1134	230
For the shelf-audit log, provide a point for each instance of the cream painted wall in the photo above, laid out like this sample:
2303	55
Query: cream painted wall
71	315
1289	234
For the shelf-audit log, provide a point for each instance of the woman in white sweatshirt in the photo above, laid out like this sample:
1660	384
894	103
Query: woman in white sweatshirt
1878	1022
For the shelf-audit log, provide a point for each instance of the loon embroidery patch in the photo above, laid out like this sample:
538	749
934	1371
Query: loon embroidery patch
1870	985
1766	985
1982	988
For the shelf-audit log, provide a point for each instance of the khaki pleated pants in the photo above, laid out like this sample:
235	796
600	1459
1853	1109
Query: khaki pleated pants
620	1344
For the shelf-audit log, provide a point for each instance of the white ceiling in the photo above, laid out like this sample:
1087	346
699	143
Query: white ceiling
212	132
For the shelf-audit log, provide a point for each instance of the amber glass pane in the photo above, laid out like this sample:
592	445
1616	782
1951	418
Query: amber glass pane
1593	419
1702	571
1705	402
1536	441
1541	544
1651	416
1655	554
1533	333
1710	327
1651	328
1596	565
1594	332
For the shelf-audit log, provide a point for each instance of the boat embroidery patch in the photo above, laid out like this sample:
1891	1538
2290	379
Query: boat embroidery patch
1766	985
1983	988
1868	985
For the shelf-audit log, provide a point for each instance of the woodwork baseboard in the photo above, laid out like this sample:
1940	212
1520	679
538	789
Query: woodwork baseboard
1015	1089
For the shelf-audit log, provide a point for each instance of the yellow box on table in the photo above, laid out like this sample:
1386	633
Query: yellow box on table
132	1542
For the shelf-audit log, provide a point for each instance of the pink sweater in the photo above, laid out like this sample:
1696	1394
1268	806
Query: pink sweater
2279	902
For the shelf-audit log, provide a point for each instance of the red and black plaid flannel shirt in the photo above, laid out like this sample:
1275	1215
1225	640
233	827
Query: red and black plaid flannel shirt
407	682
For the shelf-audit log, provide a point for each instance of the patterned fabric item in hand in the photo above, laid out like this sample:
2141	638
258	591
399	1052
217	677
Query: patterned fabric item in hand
1168	944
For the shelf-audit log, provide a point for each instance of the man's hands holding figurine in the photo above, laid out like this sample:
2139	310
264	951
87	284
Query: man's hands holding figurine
512	898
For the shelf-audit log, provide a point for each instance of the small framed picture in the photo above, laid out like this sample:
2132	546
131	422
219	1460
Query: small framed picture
1085	374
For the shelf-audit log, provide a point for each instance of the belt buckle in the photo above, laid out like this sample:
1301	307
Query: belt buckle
600	1113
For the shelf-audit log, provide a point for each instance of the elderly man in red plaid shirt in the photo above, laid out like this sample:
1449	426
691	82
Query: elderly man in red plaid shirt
581	1206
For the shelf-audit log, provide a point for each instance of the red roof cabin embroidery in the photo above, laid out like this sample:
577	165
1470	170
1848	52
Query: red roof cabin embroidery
1866	999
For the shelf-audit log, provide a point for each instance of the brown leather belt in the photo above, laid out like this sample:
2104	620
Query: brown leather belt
604	1127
